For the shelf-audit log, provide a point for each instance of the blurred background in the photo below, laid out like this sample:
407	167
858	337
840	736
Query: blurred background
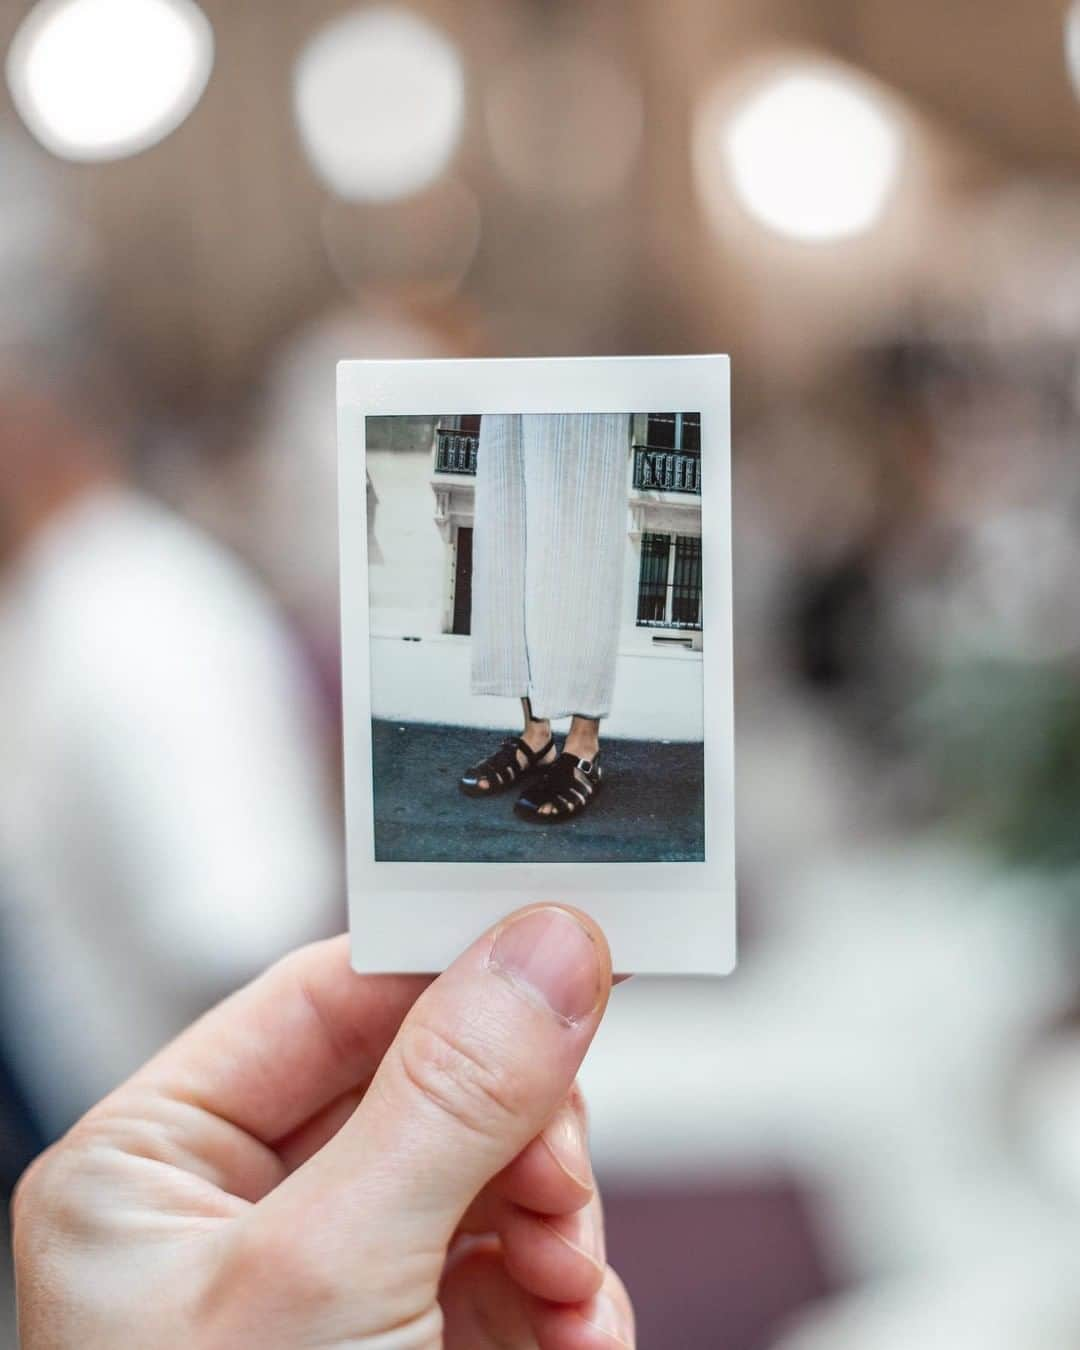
869	1137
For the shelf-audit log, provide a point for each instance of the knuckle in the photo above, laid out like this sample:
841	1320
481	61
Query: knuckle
26	1200
48	1194
453	1076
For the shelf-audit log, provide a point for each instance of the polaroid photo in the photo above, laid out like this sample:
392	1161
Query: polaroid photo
537	653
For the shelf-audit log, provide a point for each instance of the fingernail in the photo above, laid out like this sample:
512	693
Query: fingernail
566	1142
551	958
605	1315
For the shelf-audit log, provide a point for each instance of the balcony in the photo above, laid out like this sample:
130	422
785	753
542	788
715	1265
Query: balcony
655	469
659	470
455	451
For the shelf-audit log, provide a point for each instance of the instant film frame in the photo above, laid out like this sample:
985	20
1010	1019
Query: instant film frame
660	917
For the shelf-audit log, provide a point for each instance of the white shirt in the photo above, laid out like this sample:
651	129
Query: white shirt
164	830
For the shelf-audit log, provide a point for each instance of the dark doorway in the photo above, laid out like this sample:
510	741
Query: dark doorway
463	581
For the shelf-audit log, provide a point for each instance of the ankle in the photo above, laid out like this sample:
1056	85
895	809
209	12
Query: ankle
536	734
584	747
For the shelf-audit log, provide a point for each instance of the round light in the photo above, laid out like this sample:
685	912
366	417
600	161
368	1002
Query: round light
565	125
380	103
812	154
101	79
1072	44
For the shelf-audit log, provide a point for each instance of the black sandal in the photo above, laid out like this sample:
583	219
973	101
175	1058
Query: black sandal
503	769
568	787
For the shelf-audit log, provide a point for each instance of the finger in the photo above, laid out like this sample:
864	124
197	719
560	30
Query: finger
282	1049
560	1259
485	1310
479	1066
553	1173
605	1322
482	1307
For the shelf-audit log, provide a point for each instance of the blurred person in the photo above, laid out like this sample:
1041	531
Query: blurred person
163	824
329	1160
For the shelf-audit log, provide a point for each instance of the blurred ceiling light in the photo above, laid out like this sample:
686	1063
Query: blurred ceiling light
101	79
812	153
1072	44
565	125
379	96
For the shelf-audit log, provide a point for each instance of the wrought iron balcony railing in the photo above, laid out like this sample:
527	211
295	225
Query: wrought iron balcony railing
455	451
666	470
655	468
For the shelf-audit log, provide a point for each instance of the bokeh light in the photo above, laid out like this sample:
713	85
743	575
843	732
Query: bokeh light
102	79
565	125
811	152
379	96
1072	45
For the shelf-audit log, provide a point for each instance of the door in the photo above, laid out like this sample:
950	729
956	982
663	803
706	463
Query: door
463	581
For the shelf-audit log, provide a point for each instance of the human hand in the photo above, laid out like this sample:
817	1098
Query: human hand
329	1160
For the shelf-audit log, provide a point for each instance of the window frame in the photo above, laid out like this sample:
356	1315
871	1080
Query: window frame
669	584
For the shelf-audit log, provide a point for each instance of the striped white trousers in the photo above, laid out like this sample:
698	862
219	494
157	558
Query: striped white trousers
549	546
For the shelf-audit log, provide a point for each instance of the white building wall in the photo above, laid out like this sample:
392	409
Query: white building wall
408	570
658	695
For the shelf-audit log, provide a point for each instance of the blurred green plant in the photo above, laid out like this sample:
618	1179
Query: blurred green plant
1003	739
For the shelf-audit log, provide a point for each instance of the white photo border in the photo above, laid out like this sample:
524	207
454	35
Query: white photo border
660	917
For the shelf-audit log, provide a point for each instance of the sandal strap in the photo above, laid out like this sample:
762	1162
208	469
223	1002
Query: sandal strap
533	756
563	787
505	761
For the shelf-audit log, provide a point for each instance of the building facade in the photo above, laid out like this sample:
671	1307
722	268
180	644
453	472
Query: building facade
421	487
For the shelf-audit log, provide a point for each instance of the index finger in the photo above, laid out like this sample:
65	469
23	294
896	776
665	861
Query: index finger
284	1047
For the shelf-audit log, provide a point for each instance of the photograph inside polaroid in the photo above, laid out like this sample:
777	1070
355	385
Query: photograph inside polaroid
535	592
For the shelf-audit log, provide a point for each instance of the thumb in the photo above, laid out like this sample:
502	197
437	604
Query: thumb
478	1067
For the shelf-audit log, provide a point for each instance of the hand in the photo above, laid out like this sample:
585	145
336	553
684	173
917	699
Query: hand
330	1160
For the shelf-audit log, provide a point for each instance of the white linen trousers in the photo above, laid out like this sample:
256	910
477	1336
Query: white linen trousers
549	547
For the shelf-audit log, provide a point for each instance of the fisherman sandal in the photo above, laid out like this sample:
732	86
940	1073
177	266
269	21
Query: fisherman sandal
504	768
568	787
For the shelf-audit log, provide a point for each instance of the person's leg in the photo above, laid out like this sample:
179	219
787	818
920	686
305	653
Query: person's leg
576	501
576	504
499	659
500	663
537	731
583	738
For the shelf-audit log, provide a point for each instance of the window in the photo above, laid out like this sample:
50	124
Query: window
686	583
674	431
652	585
669	584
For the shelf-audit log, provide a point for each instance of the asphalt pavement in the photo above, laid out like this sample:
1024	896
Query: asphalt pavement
651	808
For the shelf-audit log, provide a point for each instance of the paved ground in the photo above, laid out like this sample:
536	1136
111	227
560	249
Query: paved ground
650	809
